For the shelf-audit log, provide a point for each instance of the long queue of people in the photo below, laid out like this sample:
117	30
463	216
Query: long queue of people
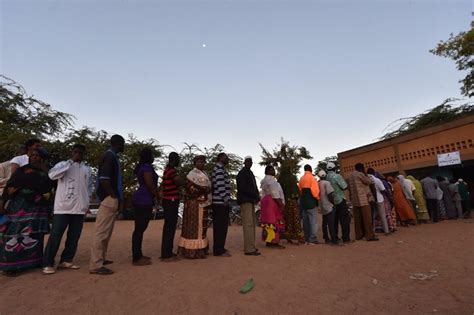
32	192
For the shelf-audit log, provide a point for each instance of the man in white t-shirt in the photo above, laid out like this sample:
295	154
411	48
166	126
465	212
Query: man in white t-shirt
379	188
22	160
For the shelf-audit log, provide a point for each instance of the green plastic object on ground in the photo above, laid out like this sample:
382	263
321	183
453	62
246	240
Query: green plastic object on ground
248	286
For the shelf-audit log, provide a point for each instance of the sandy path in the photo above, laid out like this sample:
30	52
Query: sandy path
300	279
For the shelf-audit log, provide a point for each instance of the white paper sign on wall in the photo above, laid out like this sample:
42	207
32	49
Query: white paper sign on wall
451	158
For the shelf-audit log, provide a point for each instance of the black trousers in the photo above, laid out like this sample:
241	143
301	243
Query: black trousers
142	218
466	208
343	218
169	228
329	227
73	223
432	205
220	225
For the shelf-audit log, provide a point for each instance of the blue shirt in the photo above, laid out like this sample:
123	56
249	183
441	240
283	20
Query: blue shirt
109	168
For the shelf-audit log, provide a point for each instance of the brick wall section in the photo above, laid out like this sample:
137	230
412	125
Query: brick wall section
415	150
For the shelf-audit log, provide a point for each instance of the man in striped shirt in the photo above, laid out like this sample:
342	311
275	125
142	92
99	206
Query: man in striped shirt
220	204
171	199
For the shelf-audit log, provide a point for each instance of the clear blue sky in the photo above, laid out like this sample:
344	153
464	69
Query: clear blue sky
329	75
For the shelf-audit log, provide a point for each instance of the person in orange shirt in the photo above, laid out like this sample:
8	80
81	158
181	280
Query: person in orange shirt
309	196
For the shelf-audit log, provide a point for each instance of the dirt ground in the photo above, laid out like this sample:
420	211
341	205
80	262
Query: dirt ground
361	278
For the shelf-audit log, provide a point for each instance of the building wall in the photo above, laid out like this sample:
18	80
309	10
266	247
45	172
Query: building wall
414	150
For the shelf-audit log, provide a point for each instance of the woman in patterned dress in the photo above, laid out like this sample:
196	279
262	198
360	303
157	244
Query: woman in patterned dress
28	205
389	208
193	242
402	206
422	213
292	216
272	205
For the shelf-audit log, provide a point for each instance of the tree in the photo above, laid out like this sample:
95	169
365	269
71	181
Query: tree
23	116
97	142
191	150
286	159
322	165
447	111
460	48
131	157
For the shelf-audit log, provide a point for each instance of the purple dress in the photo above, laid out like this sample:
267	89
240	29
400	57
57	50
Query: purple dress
143	197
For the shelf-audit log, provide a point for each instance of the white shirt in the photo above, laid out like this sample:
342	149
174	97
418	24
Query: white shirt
325	189
74	187
270	186
379	187
21	160
408	187
5	173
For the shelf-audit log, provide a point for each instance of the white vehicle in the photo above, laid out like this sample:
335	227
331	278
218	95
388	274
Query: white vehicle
91	214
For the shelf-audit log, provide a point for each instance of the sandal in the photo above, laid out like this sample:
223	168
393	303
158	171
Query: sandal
49	270
103	271
68	265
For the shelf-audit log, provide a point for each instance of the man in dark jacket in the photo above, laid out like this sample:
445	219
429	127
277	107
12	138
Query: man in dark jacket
110	193
247	197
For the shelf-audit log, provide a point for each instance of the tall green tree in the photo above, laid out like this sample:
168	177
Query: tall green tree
97	142
23	116
287	160
322	165
191	150
460	48
131	156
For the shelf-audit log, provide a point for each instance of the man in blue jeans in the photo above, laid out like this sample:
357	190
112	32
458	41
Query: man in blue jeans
70	205
309	196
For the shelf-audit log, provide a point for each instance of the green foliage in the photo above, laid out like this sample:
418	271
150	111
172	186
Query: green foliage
22	117
286	159
442	113
322	165
191	150
97	142
131	157
460	48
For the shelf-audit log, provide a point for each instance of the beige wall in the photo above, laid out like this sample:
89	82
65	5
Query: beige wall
415	150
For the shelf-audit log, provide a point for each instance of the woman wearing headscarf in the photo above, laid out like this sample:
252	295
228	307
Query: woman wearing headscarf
422	213
292	215
447	200
193	242
29	203
442	215
454	190
402	207
464	192
272	206
388	202
408	190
